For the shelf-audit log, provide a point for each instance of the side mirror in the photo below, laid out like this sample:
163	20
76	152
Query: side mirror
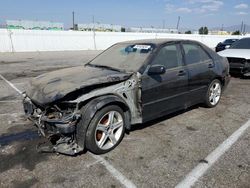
156	69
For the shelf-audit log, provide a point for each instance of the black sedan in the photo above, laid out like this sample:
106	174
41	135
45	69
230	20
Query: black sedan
225	44
91	106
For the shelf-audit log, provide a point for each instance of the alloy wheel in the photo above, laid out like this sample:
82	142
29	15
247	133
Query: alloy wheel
215	93
109	130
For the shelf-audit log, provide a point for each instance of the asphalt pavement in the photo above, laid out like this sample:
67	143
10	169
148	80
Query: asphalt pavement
157	154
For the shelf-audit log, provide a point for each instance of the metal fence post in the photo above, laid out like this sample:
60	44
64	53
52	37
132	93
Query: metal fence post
11	42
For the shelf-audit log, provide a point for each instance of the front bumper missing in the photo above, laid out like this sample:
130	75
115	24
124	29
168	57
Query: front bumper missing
64	146
241	67
60	132
64	126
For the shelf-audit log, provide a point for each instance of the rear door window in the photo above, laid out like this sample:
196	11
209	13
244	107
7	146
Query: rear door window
169	56
195	54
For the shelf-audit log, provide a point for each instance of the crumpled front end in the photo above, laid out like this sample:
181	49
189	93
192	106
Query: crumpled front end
57	123
59	120
239	66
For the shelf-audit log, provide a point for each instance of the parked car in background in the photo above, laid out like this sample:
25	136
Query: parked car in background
225	44
132	82
238	56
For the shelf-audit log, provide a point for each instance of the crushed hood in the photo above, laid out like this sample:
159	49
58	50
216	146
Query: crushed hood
53	86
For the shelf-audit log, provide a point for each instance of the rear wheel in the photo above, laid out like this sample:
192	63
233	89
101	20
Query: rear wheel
106	130
213	94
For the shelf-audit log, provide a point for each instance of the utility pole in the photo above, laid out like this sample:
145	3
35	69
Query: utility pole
178	23
244	29
241	29
73	16
163	24
93	29
93	22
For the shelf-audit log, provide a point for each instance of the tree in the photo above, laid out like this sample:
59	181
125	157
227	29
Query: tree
123	29
236	33
203	31
188	32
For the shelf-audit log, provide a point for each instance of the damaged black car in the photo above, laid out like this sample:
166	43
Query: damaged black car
90	107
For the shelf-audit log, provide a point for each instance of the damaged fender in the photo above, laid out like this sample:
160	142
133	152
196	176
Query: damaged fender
72	124
90	109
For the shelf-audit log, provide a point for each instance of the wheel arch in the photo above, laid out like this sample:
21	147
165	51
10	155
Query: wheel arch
89	109
96	103
221	79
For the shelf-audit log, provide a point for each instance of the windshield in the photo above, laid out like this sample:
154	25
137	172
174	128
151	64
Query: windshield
242	44
125	57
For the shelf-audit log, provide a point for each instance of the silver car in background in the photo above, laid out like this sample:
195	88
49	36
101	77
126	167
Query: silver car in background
238	56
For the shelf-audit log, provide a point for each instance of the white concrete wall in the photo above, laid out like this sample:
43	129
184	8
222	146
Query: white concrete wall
36	40
5	42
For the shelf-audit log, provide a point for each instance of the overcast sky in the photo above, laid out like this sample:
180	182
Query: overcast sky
146	13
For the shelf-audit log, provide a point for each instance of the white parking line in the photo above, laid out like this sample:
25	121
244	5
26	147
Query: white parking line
201	168
116	174
12	114
11	101
11	85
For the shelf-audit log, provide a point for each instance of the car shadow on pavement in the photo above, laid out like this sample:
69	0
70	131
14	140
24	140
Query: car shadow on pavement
21	153
21	136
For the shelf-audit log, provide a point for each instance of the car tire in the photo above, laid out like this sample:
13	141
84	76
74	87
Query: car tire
106	130
213	94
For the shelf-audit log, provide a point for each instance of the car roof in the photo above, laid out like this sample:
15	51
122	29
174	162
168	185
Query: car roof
154	41
245	38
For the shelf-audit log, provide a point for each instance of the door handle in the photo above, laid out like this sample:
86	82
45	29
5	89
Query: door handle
181	73
210	65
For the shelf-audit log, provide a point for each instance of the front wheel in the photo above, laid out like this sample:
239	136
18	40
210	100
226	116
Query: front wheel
213	94
106	130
